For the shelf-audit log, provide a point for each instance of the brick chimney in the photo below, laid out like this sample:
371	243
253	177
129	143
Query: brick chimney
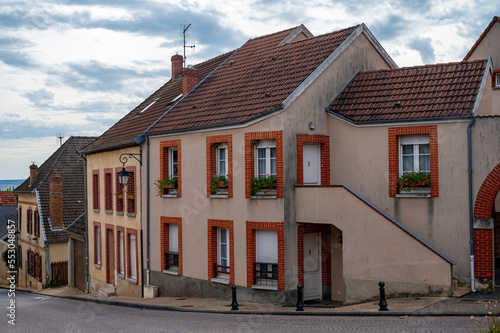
56	201
189	79
177	65
33	172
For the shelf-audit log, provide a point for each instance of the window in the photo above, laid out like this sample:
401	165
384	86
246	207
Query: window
121	253
108	191
97	244
221	251
119	193
497	77
132	254
266	265
413	148
170	166
414	154
20	257
171	245
29	217
20	217
131	193
95	189
37	223
264	161
266	158
265	255
219	166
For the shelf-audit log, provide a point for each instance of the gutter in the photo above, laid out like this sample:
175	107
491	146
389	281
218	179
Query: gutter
112	146
469	163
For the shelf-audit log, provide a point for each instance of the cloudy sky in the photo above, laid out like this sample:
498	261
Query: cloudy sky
77	67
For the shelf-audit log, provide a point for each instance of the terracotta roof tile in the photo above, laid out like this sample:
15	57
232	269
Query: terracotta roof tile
257	79
8	198
442	90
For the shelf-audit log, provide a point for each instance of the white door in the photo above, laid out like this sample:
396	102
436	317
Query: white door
312	160
312	266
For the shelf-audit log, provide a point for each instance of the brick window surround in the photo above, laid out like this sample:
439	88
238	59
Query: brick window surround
164	238
493	77
324	142
128	257
251	251
108	189
394	133
212	246
164	145
97	243
95	189
250	159
484	238
118	250
120	200
131	188
107	227
211	156
326	262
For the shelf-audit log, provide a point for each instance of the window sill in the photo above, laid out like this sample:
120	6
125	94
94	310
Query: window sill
171	272
108	211
170	195
120	276
219	196
269	194
415	193
119	213
132	280
131	214
220	280
96	210
260	287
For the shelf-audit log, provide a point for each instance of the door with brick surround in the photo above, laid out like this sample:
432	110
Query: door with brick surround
312	162
110	260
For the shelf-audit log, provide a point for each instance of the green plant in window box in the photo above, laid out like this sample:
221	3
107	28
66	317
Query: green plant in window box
161	183
121	192
262	183
218	182
411	180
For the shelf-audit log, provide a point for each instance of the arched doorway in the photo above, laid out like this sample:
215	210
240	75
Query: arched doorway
485	214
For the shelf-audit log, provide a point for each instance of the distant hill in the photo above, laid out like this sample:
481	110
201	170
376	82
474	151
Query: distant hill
6	183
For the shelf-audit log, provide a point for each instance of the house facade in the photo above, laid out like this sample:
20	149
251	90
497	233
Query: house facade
48	202
260	122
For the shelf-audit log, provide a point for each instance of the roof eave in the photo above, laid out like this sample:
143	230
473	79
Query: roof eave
112	146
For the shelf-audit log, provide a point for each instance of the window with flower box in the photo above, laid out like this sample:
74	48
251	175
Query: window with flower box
170	181
219	166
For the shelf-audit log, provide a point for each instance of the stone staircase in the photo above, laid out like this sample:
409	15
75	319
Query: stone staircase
107	291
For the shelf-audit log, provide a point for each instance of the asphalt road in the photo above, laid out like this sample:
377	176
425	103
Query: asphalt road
36	313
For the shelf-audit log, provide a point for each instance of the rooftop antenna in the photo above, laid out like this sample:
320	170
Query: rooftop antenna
188	46
60	136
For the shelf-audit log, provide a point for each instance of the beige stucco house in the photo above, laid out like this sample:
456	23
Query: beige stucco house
49	200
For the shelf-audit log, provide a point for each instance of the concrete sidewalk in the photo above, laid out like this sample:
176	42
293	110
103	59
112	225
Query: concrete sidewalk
467	305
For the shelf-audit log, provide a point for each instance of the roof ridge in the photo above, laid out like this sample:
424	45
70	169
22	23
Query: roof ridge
354	27
275	33
448	64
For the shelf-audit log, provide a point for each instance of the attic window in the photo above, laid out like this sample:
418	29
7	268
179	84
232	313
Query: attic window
497	76
174	100
149	105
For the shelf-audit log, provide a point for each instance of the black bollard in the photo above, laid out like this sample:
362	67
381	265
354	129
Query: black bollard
300	304
383	302
234	304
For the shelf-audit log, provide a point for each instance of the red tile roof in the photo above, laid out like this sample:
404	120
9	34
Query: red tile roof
255	80
431	91
122	133
8	198
496	19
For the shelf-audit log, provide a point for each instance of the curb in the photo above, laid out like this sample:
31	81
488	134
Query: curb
273	313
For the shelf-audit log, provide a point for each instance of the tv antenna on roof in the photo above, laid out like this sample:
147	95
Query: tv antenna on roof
60	136
188	46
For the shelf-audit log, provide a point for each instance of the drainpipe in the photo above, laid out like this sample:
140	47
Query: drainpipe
147	210
86	229
471	211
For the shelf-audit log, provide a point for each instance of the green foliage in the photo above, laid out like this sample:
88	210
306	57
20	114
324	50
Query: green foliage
262	184
214	183
410	180
52	284
161	183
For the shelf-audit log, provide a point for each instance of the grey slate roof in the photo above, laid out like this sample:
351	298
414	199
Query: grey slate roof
67	163
78	226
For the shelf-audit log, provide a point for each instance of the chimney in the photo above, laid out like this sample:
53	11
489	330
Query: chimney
189	79
177	65
33	172
56	201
